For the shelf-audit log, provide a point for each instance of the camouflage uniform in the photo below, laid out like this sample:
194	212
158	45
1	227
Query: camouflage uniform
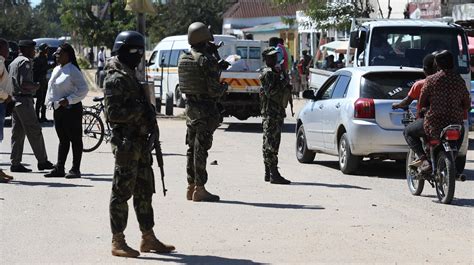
202	114
273	95
131	119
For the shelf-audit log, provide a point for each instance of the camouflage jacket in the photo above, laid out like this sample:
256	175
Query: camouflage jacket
126	108
274	93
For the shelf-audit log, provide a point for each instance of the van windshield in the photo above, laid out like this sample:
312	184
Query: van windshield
388	86
407	46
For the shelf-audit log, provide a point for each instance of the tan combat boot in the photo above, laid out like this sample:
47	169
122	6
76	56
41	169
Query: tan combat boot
120	247
151	243
201	194
190	191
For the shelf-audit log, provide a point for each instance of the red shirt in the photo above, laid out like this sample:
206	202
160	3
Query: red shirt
446	95
415	93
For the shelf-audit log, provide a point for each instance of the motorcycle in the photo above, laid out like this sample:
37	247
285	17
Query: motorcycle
441	153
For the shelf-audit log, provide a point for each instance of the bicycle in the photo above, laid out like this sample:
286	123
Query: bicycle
94	131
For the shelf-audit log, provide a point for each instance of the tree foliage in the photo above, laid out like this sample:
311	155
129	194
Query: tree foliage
79	19
333	14
174	17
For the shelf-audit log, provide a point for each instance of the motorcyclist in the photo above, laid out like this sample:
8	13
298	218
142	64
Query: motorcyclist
415	130
445	97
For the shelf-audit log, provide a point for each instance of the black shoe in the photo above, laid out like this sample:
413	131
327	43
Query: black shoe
73	174
279	180
19	168
45	165
276	178
55	173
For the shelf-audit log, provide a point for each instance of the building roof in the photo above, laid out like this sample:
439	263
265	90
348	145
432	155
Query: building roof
270	27
260	8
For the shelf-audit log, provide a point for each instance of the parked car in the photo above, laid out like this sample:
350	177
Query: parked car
351	116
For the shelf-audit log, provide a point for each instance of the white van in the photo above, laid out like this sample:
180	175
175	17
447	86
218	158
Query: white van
241	100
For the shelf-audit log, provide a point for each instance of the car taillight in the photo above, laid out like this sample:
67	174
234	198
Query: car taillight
452	135
364	108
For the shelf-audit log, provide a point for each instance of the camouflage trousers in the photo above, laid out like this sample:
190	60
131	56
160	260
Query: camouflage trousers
133	175
272	127
199	137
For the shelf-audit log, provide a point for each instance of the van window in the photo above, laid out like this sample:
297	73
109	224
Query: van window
255	53
165	54
174	58
388	86
242	52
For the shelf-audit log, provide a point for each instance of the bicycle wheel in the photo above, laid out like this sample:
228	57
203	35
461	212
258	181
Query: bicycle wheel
92	131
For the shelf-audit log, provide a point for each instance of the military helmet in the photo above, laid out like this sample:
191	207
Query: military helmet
128	38
198	32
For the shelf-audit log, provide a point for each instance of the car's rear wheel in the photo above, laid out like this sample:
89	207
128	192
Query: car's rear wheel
303	154
348	162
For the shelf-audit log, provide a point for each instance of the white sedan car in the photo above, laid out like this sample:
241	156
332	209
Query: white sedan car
351	116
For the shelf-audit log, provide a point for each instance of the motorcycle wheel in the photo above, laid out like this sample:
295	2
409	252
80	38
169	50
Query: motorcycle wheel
414	185
445	178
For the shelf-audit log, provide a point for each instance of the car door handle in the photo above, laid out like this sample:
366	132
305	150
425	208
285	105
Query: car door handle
321	106
338	105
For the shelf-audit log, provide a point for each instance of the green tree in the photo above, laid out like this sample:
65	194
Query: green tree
17	21
174	17
78	18
46	13
332	14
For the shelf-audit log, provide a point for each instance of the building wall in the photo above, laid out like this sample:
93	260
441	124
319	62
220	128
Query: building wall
239	23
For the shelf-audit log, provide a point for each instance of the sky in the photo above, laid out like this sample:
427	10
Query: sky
35	2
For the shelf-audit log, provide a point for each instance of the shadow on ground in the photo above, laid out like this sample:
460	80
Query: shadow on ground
48	184
337	186
275	205
254	127
97	177
8	123
198	259
375	168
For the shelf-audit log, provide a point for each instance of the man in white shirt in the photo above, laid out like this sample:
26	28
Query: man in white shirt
6	88
101	59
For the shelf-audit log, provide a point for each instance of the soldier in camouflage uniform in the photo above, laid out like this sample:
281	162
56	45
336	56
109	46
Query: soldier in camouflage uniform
199	73
131	119
274	97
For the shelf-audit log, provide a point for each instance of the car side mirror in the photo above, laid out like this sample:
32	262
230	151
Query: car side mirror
309	94
354	39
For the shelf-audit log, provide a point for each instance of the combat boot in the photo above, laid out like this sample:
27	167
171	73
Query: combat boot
120	247
190	191
151	243
267	174
201	194
276	178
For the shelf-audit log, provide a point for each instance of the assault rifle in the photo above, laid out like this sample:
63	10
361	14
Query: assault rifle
154	142
159	154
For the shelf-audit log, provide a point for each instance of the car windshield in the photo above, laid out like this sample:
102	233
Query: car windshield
408	46
388	86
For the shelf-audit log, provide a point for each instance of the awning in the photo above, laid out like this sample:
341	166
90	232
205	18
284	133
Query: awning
336	46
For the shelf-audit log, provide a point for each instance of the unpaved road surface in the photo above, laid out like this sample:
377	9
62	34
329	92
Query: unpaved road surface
323	217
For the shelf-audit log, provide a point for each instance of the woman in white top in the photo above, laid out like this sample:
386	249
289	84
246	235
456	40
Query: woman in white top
6	88
66	88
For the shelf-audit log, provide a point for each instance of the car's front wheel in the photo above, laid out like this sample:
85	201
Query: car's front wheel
348	162
303	154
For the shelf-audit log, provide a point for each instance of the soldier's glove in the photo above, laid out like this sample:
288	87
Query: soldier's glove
223	64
